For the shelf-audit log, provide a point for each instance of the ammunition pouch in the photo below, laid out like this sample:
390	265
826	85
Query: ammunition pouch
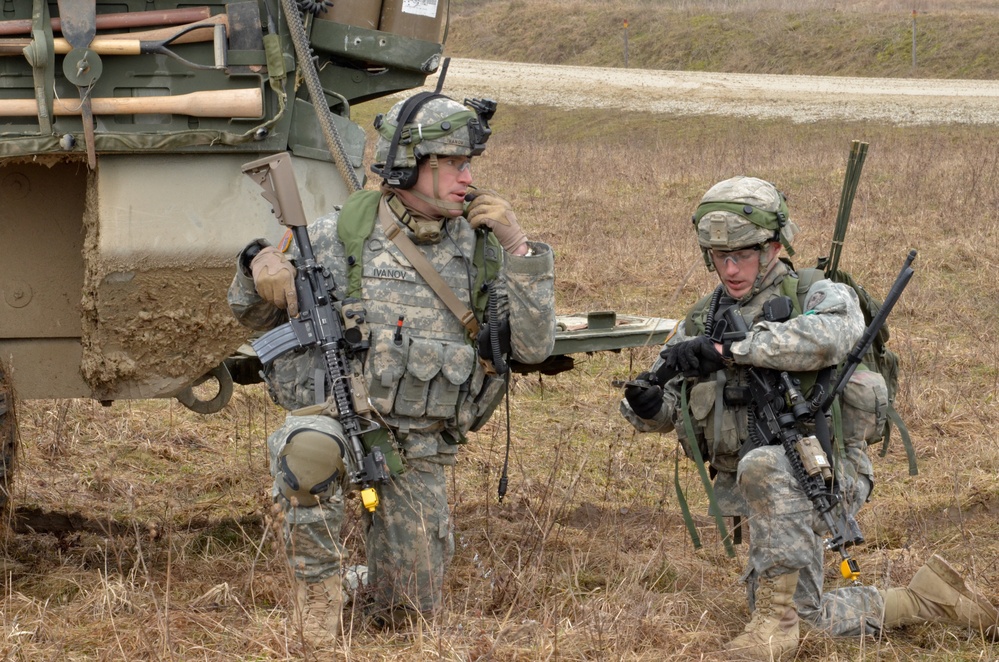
417	378
488	398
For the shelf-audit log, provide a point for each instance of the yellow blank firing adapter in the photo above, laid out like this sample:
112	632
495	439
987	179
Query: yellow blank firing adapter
850	570
370	499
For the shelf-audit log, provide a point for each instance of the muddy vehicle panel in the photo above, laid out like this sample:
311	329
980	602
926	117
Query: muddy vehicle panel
128	298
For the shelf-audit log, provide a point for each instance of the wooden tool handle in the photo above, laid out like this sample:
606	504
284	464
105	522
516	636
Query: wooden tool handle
246	102
126	43
160	34
138	19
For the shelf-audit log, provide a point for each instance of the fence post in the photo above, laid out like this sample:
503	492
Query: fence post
625	43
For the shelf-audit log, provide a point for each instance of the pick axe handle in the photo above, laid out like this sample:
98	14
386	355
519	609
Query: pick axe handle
138	19
246	102
126	43
166	33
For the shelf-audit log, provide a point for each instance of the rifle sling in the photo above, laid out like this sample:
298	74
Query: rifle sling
394	232
903	432
702	469
688	519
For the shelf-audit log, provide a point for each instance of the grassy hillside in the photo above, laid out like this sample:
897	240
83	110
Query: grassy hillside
953	39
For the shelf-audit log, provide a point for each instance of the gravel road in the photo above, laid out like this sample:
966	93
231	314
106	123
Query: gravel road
795	98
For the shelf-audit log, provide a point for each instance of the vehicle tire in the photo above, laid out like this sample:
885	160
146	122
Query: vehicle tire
8	442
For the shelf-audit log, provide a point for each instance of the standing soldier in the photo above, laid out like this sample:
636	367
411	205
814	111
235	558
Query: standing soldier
742	224
425	257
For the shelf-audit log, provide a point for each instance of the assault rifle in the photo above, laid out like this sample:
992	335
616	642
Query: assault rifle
780	413
319	325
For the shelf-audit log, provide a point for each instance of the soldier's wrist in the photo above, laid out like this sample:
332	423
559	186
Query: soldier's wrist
523	250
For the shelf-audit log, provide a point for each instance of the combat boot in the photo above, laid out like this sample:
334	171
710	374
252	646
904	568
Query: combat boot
773	629
938	593
317	610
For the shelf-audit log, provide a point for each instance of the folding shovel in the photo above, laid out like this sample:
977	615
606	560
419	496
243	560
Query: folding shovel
82	66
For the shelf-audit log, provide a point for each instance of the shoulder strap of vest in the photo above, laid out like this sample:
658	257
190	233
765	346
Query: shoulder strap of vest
796	287
488	259
355	224
695	321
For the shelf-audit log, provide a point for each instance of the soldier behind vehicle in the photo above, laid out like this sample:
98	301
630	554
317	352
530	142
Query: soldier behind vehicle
429	375
742	224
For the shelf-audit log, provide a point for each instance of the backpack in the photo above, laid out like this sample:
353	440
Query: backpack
879	357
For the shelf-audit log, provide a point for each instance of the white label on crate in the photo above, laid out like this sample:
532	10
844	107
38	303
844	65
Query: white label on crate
420	7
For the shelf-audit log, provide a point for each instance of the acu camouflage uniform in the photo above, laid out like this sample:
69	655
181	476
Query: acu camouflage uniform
785	530
429	390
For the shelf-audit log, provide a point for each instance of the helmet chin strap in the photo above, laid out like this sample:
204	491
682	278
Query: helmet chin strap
439	203
765	268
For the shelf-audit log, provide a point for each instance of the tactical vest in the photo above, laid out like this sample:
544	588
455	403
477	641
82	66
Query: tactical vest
791	286
357	221
718	405
430	373
795	286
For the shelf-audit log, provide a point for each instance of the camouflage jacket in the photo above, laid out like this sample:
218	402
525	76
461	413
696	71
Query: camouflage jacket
432	380
823	336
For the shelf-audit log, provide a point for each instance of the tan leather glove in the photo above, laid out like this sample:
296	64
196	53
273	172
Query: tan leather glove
487	208
274	279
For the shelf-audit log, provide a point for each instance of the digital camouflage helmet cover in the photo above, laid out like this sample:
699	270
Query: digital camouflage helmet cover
742	212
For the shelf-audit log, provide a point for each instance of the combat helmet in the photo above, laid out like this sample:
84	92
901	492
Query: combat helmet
742	212
428	123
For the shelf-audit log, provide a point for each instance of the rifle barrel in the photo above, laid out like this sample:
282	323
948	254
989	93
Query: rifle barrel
856	355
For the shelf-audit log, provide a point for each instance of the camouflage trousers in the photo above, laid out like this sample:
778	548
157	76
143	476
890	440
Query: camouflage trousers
783	526
409	539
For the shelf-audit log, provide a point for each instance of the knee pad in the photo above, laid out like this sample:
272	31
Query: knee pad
310	465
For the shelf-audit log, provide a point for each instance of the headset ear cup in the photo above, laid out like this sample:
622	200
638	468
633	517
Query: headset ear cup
408	178
400	178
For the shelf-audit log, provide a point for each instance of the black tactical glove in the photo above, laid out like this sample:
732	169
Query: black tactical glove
694	358
645	399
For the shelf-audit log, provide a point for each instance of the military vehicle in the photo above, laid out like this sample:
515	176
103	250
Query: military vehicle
125	124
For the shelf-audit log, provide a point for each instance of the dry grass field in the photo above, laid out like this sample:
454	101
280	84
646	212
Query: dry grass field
142	531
